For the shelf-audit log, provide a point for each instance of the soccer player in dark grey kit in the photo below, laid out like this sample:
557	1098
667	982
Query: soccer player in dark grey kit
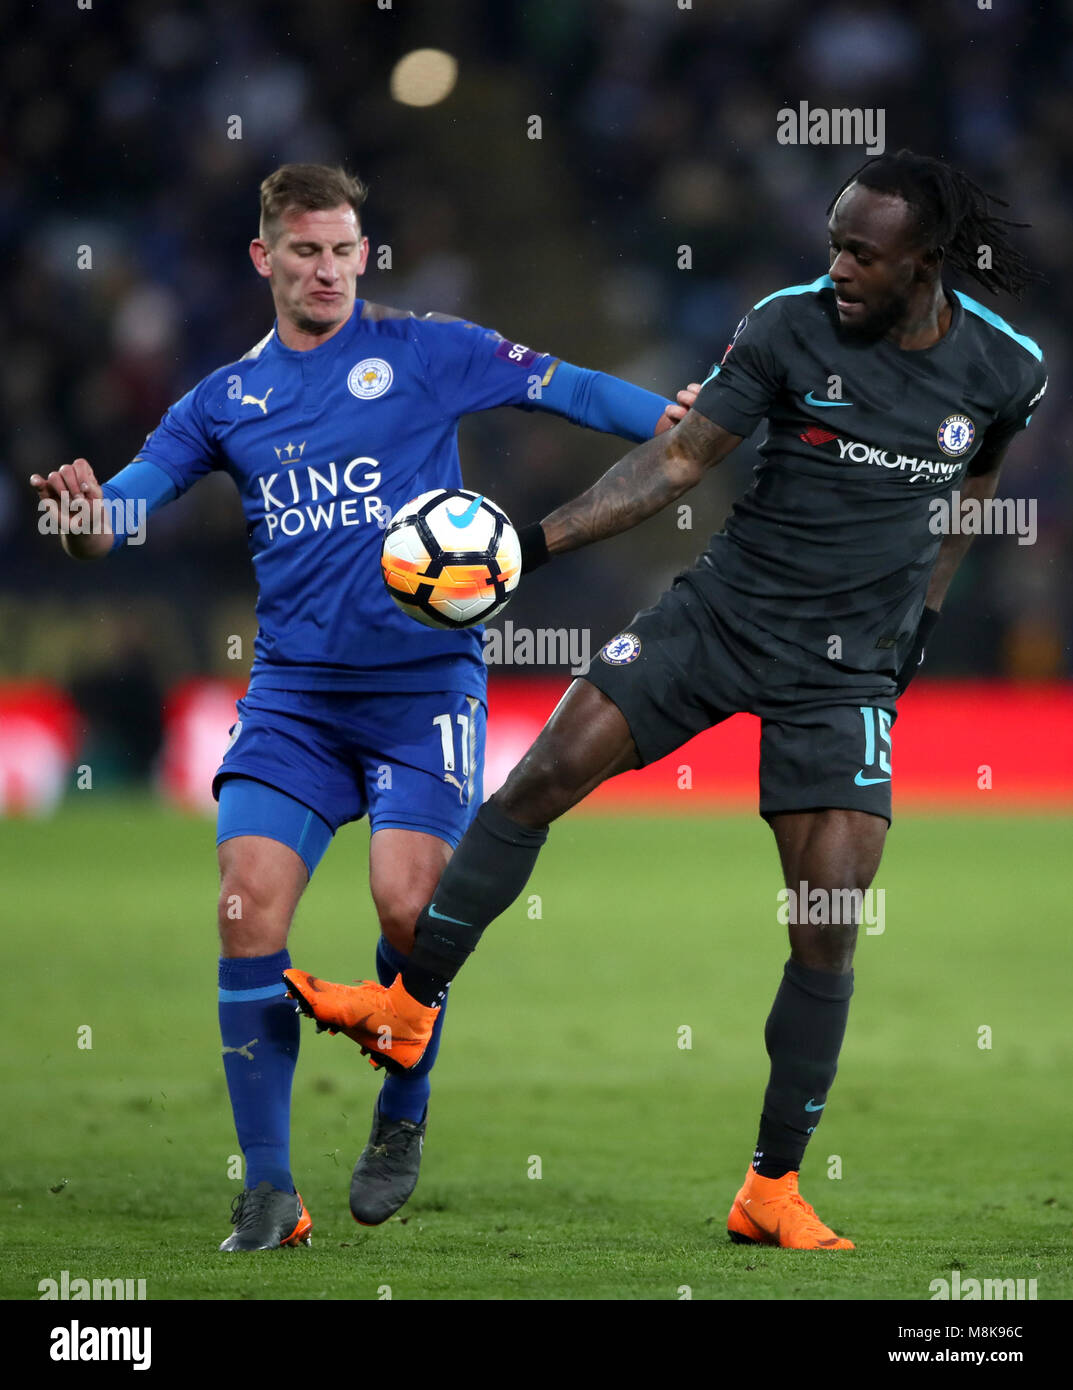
883	391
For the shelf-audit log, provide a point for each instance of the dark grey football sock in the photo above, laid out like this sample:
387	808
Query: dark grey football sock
487	871
803	1033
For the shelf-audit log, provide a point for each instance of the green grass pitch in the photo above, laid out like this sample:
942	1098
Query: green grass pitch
561	1044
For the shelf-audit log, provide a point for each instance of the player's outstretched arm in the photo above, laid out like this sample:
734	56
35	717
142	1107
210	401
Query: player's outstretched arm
642	483
70	497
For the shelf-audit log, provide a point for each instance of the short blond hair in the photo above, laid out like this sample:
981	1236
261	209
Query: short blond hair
307	188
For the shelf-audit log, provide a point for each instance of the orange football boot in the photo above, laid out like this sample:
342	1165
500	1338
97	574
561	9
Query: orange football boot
389	1025
771	1211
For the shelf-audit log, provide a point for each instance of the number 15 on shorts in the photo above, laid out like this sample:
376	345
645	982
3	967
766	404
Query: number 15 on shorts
877	747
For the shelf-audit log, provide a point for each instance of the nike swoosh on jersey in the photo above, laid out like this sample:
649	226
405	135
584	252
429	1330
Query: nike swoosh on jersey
869	781
464	518
810	399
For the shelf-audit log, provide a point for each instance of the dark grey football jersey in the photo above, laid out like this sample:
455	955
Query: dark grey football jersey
837	535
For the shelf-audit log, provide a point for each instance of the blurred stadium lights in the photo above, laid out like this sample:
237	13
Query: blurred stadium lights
424	77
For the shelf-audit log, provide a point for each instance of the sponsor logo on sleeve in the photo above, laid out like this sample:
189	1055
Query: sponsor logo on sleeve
517	353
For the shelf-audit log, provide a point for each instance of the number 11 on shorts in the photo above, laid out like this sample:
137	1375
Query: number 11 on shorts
443	722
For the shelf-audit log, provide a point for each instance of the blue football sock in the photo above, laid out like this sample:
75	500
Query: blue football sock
406	1097
259	1028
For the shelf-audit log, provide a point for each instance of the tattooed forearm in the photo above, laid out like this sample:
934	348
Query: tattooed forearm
640	484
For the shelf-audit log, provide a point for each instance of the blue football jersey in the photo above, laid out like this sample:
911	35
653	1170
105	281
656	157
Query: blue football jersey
323	445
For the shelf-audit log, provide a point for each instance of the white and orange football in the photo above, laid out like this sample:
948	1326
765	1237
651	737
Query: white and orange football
451	558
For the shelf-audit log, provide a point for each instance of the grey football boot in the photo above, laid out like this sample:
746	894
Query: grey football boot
386	1172
264	1218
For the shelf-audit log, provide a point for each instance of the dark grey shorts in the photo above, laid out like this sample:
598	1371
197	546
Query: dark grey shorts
682	667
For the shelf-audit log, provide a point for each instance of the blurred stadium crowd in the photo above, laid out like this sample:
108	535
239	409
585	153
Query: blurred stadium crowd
658	131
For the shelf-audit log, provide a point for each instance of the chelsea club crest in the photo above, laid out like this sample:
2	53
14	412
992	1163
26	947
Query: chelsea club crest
955	435
621	650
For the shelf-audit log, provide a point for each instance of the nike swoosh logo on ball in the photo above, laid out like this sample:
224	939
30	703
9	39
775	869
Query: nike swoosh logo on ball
464	518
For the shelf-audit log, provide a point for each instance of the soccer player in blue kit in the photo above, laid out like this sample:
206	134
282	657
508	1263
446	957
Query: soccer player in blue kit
340	415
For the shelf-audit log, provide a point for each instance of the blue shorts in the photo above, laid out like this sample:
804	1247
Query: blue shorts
410	761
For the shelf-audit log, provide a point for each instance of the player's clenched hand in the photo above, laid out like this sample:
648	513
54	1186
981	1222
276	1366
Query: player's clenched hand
86	533
673	413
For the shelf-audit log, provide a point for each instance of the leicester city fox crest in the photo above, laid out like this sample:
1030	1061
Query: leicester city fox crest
370	378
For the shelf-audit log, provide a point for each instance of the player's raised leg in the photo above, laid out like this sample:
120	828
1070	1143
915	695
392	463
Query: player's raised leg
262	877
829	858
585	741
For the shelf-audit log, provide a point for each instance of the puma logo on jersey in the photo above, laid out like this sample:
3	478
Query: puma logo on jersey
263	402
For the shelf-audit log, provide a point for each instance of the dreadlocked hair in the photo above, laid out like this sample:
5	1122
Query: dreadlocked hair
953	214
